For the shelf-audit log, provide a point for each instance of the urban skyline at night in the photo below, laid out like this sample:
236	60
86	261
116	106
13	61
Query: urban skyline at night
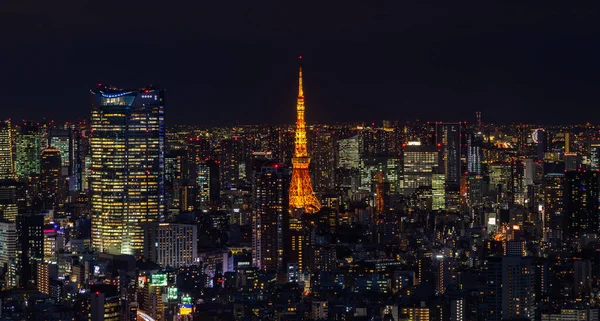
306	161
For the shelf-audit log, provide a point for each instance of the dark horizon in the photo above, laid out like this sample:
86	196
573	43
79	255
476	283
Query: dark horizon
221	63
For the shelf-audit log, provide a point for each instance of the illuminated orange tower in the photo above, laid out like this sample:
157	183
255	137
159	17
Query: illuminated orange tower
301	191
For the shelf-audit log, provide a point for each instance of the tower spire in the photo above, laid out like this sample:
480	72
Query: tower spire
300	88
301	191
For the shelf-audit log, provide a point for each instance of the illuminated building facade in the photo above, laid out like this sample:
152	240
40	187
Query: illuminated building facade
51	182
322	143
28	150
8	239
419	164
554	206
348	153
301	190
582	192
170	244
7	166
449	137
30	248
12	199
207	182
127	166
270	195
510	292
104	303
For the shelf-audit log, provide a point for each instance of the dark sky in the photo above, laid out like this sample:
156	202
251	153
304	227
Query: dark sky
227	60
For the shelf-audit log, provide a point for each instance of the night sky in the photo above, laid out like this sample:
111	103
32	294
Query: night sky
224	61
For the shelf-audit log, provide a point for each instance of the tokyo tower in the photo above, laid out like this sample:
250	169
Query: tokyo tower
301	191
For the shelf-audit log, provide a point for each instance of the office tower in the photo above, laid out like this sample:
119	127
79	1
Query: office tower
540	137
444	271
594	155
419	163
8	239
554	207
568	143
13	199
573	161
510	288
207	182
438	191
270	199
322	143
348	153
30	248
449	138
582	191
475	153
127	166
105	303
7	166
232	155
582	278
177	175
301	191
67	142
170	244
46	272
51	181
28	150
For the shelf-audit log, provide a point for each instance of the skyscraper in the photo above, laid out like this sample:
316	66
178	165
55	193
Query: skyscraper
51	183
301	190
7	168
28	150
554	207
170	244
510	288
30	248
270	195
419	164
582	192
449	137
127	166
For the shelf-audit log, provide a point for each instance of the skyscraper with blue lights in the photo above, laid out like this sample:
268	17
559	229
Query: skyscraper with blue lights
127	166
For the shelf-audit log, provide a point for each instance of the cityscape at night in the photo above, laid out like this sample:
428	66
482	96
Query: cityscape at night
360	162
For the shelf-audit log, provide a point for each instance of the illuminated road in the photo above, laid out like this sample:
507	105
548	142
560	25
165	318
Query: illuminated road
143	316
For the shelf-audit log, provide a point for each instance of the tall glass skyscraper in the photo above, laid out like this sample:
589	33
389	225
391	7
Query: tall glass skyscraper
127	140
28	150
7	168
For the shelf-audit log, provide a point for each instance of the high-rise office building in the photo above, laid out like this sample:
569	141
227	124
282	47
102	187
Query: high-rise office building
582	192
28	149
232	155
554	207
127	166
207	182
8	240
170	244
322	142
51	181
348	153
29	249
449	136
419	163
7	165
13	199
510	288
270	206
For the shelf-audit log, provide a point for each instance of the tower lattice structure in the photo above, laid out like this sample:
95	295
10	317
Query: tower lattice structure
301	190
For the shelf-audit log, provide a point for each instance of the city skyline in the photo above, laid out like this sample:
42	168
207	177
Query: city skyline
299	161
